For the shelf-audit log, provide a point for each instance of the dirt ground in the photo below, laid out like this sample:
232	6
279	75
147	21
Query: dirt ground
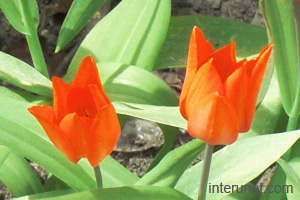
52	13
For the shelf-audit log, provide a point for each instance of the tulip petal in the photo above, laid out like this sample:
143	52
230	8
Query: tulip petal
199	50
236	88
80	100
77	129
224	60
105	133
87	73
45	115
206	81
99	97
256	79
60	92
214	121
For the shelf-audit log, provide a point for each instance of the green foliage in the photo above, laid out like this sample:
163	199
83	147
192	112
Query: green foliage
78	16
132	84
291	170
126	46
240	162
172	166
138	43
17	175
22	75
281	26
126	193
14	13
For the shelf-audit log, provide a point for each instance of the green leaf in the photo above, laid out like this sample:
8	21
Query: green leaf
249	39
281	25
46	195
292	172
131	34
260	151
20	74
17	175
170	136
124	193
53	183
132	84
172	166
77	17
245	195
168	115
20	95
13	12
111	170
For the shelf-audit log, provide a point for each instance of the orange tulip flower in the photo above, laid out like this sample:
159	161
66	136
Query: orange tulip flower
82	121
219	94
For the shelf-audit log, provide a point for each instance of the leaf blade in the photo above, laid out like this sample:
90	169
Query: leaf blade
17	175
24	76
236	170
143	32
77	17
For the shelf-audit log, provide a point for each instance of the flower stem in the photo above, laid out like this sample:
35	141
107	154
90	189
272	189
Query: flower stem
33	40
98	176
205	171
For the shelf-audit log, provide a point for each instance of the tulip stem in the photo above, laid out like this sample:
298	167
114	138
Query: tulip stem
33	40
98	176
205	171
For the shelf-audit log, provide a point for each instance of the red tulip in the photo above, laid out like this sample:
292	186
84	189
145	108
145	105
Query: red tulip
82	121
219	94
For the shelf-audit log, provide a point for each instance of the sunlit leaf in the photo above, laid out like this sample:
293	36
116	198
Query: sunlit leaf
17	175
260	151
281	24
79	14
132	84
121	193
132	38
24	76
171	167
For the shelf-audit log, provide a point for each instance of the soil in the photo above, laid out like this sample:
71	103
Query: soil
52	14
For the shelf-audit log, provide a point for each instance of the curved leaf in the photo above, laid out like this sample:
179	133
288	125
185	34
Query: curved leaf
291	169
132	84
124	193
17	175
13	12
281	25
172	166
77	17
22	75
132	38
167	115
260	151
